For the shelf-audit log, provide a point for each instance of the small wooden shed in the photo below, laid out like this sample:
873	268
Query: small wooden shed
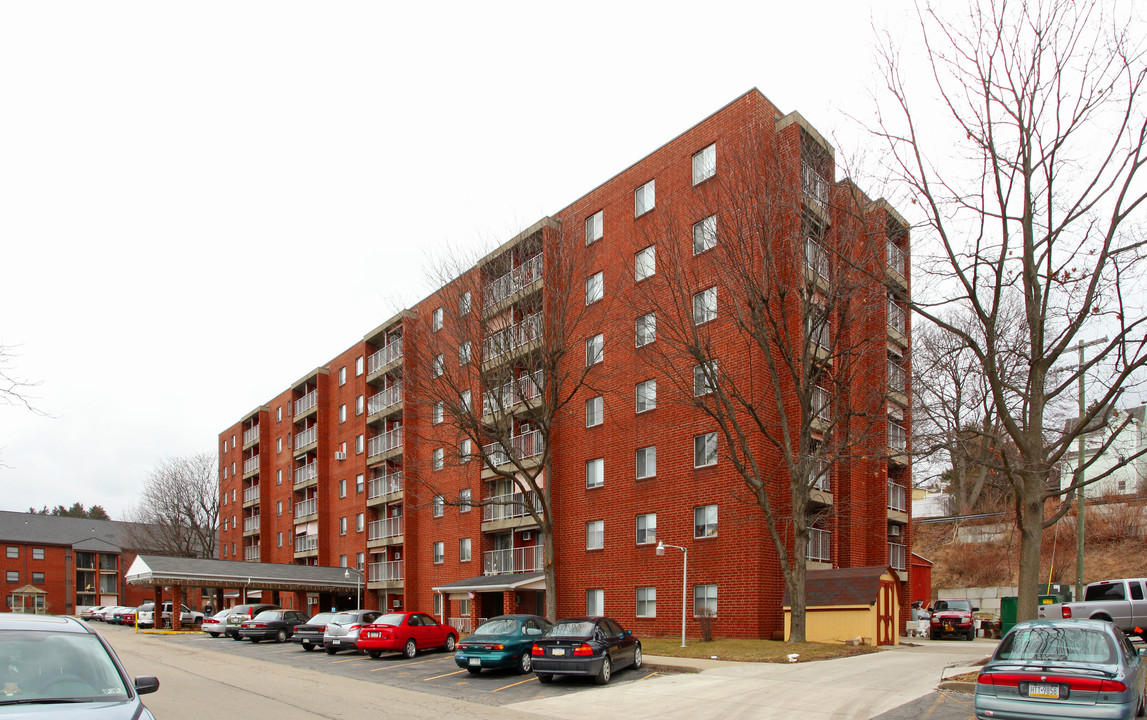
845	603
920	580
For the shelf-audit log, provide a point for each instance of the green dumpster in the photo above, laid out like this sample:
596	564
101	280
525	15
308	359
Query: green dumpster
1009	607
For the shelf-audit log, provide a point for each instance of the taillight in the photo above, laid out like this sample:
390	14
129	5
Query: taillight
353	627
1076	684
535	650
583	649
499	646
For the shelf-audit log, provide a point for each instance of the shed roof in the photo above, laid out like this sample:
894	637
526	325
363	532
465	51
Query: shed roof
843	586
496	583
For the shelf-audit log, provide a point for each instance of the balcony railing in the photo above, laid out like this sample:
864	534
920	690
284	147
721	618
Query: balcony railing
821	404
514	560
819	330
522	276
897	259
251	552
306	402
898	556
897	497
306	437
820	475
814	185
384	356
896	317
897	438
815	258
251	464
251	493
512	393
820	545
510	505
385	528
251	524
304	508
250	435
897	380
463	624
306	543
384	485
385	571
387	441
387	398
511	338
524	446
307	472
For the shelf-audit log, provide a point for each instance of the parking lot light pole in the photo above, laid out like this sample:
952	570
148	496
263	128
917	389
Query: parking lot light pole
684	580
358	585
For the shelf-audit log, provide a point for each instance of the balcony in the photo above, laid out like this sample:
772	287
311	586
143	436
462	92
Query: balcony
250	436
514	560
821	409
815	187
382	359
384	402
306	440
819	545
251	524
820	478
384	572
307	474
507	340
306	508
250	466
524	447
897	383
819	331
816	263
380	446
897	323
510	511
897	497
387	531
250	495
897	264
305	404
512	394
898	556
251	553
306	544
381	487
520	277
897	443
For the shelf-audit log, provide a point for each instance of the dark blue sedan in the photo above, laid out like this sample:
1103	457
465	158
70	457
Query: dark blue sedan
594	646
502	642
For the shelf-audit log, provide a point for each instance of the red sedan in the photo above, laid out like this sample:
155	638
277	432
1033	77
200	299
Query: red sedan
406	632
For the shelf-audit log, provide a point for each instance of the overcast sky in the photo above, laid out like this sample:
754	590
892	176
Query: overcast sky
187	190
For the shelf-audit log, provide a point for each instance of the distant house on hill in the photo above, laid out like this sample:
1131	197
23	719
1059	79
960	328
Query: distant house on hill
1130	437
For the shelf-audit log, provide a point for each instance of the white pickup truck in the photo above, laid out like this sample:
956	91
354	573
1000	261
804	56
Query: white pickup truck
145	616
1123	602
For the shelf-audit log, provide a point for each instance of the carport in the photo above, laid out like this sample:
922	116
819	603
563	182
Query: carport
492	595
178	573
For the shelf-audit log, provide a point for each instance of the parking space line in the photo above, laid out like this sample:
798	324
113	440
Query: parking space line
652	674
349	659
523	682
408	664
459	672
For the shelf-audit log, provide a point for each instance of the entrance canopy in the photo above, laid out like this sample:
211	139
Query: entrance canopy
200	572
495	583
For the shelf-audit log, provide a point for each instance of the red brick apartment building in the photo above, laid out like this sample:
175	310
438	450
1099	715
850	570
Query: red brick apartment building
366	461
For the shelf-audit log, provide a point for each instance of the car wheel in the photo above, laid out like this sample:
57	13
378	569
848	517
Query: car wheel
281	636
545	678
526	663
308	647
214	635
450	642
637	657
331	651
236	637
933	635
376	654
1142	710
473	671
971	634
606	671
411	649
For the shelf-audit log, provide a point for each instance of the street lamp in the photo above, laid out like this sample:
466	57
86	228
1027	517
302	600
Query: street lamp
684	580
358	585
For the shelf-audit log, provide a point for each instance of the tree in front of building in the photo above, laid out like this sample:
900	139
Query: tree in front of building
178	510
77	510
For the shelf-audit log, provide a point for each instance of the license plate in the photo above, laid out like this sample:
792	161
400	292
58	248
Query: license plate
476	661
558	651
1043	691
373	635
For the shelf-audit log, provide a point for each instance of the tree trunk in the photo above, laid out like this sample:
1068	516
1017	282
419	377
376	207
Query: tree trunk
548	568
1031	539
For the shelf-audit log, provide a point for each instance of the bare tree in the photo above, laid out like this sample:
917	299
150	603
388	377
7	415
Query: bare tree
497	372
13	389
178	511
1037	203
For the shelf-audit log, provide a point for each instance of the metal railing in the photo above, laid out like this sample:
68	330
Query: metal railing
250	524
510	505
385	571
250	435
385	528
897	259
513	560
897	497
896	317
307	472
251	464
814	185
307	436
503	287
897	438
385	355
820	545
898	556
462	624
816	258
304	508
513	337
251	493
251	552
819	472
387	398
512	393
387	441
819	330
897	379
306	543
384	485
524	446
306	402
821	404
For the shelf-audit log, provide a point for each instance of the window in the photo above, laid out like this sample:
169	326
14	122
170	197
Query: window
646	395
594	350
358	445
595	473
439	555
465	400
438	411
595	602
278	539
342	376
358	364
646	462
342	413
342	561
225	524
358	483
704	600
595	535
464	501
705	164
342	526
437	319
439	505
437	603
278	449
594	412
37	553
438	366
643	199
702	374
705	450
464	353
13	576
278	477
647	529
279	508
466	450
645	329
342	488
279	414
13	551
359	522
464	303
359	405
438	459
594	227
594	288
705	306
705	521
358	561
647	602
704	234
645	263
464	550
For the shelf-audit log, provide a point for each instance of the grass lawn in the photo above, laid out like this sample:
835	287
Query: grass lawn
749	650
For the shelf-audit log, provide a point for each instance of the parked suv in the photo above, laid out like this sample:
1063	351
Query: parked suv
239	613
146	612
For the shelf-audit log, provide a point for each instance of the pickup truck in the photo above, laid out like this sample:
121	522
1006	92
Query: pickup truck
1123	602
187	618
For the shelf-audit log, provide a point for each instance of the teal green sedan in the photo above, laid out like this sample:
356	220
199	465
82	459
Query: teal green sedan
501	642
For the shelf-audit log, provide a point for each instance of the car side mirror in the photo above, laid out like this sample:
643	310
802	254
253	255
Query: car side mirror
627	633
929	609
975	609
145	684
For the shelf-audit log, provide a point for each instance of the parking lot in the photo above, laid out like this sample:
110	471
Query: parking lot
430	672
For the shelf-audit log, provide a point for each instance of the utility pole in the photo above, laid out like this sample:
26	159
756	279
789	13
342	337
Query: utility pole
1079	474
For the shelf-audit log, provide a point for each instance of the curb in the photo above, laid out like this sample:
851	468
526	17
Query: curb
670	667
965	687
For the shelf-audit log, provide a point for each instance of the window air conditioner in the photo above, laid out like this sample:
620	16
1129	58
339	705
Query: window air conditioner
397	555
894	530
340	455
397	603
528	535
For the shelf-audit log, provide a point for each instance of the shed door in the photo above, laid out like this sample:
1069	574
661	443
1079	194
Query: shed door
885	613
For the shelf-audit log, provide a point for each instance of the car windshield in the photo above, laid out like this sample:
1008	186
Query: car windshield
501	626
389	619
345	618
269	615
953	605
581	628
57	666
222	614
1050	642
321	619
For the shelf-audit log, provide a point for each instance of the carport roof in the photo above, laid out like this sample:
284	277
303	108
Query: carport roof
200	572
496	583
